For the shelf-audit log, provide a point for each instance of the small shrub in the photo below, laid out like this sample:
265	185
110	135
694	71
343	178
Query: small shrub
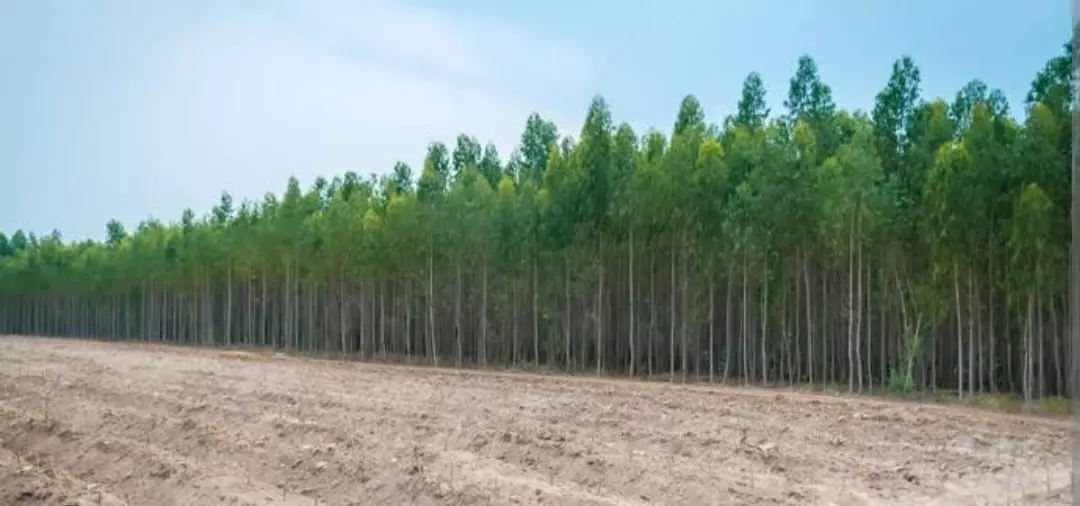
900	383
1054	405
1005	403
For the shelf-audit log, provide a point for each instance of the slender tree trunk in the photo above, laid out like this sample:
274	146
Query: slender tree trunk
1040	356
536	312
765	325
433	347
745	300
787	366
228	303
959	334
514	322
712	326
484	311
288	316
1010	374
382	319
971	334
796	367
671	336
1056	351
653	308
851	307
869	310
264	316
632	303
990	313
1027	349
392	317
599	308
566	334
685	305
882	348
209	305
343	310
727	319
408	317
809	321
859	310
978	332
365	319
457	318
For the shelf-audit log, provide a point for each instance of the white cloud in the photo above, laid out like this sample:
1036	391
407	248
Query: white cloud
243	101
471	48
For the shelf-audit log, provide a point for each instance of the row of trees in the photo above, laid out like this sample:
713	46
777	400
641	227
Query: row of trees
921	245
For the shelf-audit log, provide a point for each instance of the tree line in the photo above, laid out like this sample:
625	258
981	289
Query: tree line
921	245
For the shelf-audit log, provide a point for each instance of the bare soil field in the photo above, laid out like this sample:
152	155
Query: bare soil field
88	423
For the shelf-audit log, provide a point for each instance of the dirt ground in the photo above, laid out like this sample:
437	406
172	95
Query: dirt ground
88	423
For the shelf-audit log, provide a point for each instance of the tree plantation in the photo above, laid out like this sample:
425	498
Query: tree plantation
919	246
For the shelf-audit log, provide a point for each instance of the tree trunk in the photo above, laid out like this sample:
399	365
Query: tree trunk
882	348
365	317
228	304
288	316
959	334
514	323
382	320
599	308
990	313
408	317
1027	349
633	321
765	324
1009	373
653	308
566	334
483	310
433	347
671	336
869	310
343	309
858	311
685	305
264	315
1040	357
742	321
851	307
457	318
712	326
727	319
536	313
971	334
809	322
1056	351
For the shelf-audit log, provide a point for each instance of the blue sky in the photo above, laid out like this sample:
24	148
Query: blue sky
129	108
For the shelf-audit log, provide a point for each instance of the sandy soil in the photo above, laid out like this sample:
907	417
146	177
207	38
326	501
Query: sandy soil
132	424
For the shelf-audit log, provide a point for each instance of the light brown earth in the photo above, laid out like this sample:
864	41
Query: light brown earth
93	423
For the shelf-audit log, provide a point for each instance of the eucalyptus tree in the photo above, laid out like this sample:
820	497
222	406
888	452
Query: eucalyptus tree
844	248
1032	250
709	198
594	159
622	220
536	143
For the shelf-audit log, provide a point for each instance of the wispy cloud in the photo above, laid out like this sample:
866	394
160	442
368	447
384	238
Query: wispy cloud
438	40
339	86
239	99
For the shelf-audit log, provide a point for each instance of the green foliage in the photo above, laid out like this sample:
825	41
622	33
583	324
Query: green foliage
786	238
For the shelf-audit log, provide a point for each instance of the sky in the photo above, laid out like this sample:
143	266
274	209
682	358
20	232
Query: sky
132	109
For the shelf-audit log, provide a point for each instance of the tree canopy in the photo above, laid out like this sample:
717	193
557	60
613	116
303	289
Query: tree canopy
919	245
